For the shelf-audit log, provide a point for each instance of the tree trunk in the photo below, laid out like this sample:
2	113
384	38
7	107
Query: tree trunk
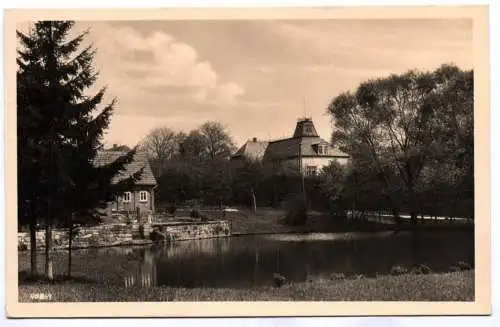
49	266
414	217
70	245
394	211
33	254
254	201
413	206
396	217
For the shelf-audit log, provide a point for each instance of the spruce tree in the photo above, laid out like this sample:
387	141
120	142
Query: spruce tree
60	132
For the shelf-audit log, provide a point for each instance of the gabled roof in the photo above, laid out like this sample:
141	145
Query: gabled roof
252	149
289	148
140	160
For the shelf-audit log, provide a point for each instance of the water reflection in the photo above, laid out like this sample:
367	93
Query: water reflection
145	276
252	260
146	273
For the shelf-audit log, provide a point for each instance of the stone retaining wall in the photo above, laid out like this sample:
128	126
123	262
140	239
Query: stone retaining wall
190	231
122	234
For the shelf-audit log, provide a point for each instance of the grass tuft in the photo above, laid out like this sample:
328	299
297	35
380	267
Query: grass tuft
457	286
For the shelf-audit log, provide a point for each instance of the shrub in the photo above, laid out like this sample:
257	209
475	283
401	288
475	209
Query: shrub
462	265
218	229
279	280
295	210
128	220
421	269
22	246
398	270
338	276
171	210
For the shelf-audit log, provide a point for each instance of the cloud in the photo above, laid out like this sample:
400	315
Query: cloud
383	44
255	75
266	69
157	66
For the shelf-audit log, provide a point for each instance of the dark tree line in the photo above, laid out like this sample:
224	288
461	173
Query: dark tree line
59	133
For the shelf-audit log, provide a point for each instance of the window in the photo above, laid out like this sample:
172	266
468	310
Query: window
311	170
127	197
322	149
143	196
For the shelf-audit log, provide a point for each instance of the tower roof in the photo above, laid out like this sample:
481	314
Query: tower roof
305	127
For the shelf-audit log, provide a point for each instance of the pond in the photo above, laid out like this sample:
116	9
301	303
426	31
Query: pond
248	261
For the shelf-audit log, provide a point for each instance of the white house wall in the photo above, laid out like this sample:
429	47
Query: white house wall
318	162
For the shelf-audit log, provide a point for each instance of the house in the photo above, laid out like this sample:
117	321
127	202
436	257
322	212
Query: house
252	150
305	149
139	200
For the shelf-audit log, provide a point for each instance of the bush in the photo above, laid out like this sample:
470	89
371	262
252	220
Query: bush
462	265
22	246
128	220
279	280
198	215
421	269
171	210
398	270
218	229
337	276
295	210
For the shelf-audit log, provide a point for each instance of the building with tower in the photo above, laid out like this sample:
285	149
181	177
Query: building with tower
305	149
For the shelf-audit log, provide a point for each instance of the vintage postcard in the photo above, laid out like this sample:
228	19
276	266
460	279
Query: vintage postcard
248	162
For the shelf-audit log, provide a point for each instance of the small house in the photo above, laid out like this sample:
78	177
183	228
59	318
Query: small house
138	202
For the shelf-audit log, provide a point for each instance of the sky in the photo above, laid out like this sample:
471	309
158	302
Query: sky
256	76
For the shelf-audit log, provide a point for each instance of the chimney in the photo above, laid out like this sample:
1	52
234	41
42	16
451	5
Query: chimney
254	139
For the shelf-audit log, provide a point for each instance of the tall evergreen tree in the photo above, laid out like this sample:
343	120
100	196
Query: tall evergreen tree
60	132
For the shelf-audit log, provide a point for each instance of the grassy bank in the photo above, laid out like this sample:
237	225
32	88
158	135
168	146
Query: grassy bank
270	221
458	286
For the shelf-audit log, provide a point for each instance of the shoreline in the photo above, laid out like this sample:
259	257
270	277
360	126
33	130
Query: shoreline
145	242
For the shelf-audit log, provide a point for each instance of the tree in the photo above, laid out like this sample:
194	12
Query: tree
217	141
27	118
389	125
61	129
248	177
193	147
453	117
210	141
161	145
332	186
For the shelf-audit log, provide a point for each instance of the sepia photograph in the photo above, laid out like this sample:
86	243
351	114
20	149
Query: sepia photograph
239	158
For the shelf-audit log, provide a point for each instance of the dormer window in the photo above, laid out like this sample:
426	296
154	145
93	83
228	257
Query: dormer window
322	149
